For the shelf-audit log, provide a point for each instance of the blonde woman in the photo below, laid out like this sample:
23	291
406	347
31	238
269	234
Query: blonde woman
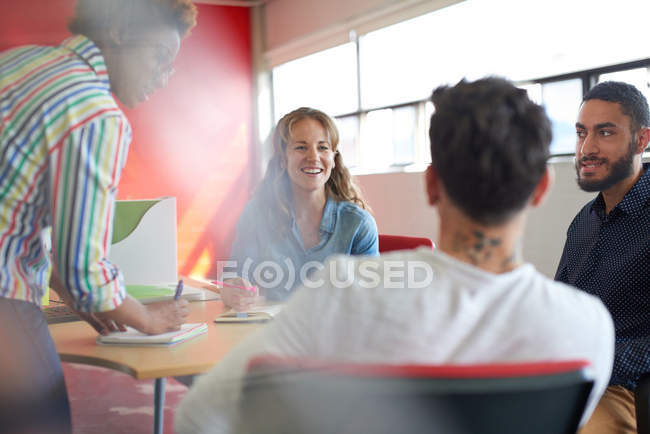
306	209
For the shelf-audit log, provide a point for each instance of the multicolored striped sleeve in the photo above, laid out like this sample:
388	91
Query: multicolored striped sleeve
84	172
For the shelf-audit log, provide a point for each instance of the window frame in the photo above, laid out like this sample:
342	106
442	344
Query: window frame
588	77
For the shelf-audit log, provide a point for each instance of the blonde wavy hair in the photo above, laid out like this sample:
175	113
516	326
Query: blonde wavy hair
95	18
275	187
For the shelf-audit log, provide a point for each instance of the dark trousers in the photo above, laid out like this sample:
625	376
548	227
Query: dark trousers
33	397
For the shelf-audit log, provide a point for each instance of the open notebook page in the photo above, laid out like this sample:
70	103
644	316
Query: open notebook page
134	337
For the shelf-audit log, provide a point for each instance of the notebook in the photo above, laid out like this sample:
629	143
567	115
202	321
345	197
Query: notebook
257	314
134	337
153	293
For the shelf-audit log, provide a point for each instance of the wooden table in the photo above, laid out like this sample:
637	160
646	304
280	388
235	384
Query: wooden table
75	343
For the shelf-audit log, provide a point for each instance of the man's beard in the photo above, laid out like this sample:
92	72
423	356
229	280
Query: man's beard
619	170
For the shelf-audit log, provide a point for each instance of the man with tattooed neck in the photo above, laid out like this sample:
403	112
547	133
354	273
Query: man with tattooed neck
607	251
472	300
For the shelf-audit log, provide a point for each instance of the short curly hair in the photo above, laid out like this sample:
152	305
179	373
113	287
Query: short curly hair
489	145
633	102
94	18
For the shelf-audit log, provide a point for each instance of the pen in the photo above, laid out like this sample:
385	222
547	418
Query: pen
179	289
247	288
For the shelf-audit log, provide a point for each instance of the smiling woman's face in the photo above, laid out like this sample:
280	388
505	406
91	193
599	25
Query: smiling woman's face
137	67
310	157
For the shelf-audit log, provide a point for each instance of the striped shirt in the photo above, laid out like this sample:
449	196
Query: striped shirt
63	144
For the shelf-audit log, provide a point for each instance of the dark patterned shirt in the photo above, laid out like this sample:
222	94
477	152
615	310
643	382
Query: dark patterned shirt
608	255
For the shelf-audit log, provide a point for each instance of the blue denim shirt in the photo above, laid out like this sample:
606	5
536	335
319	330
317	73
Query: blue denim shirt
277	263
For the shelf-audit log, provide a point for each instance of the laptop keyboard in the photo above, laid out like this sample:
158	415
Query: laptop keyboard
59	313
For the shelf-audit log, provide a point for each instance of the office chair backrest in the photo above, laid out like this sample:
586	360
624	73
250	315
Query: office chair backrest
300	396
388	243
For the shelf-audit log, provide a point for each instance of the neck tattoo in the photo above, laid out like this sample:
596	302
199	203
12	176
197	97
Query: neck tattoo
478	247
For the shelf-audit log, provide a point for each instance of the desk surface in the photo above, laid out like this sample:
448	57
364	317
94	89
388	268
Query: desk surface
75	342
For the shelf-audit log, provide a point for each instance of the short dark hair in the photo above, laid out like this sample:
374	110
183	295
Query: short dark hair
489	145
93	18
632	101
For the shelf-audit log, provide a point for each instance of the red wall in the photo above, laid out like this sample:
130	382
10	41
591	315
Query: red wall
191	139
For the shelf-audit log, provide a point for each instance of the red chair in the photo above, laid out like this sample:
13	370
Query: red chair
290	396
389	243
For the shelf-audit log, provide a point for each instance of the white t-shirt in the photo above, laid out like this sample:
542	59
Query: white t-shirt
415	307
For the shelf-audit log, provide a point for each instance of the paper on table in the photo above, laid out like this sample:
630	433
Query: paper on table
152	293
256	314
134	337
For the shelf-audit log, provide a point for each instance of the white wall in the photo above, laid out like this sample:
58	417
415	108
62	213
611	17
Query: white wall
547	225
399	204
400	207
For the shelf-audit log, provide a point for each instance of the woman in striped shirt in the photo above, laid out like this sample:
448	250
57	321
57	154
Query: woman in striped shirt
63	144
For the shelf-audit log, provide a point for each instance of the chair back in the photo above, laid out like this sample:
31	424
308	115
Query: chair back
301	396
388	243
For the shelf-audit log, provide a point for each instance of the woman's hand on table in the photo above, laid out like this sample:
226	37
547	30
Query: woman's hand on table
166	316
152	319
239	294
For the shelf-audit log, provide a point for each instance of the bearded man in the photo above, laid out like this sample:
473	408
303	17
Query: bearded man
607	251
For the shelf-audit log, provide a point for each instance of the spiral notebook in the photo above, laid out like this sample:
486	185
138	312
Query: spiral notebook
134	337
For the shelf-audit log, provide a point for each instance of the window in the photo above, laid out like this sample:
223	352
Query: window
377	138
389	137
378	86
385	137
392	68
405	126
326	81
561	100
349	139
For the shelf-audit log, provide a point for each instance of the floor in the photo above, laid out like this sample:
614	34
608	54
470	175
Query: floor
104	401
